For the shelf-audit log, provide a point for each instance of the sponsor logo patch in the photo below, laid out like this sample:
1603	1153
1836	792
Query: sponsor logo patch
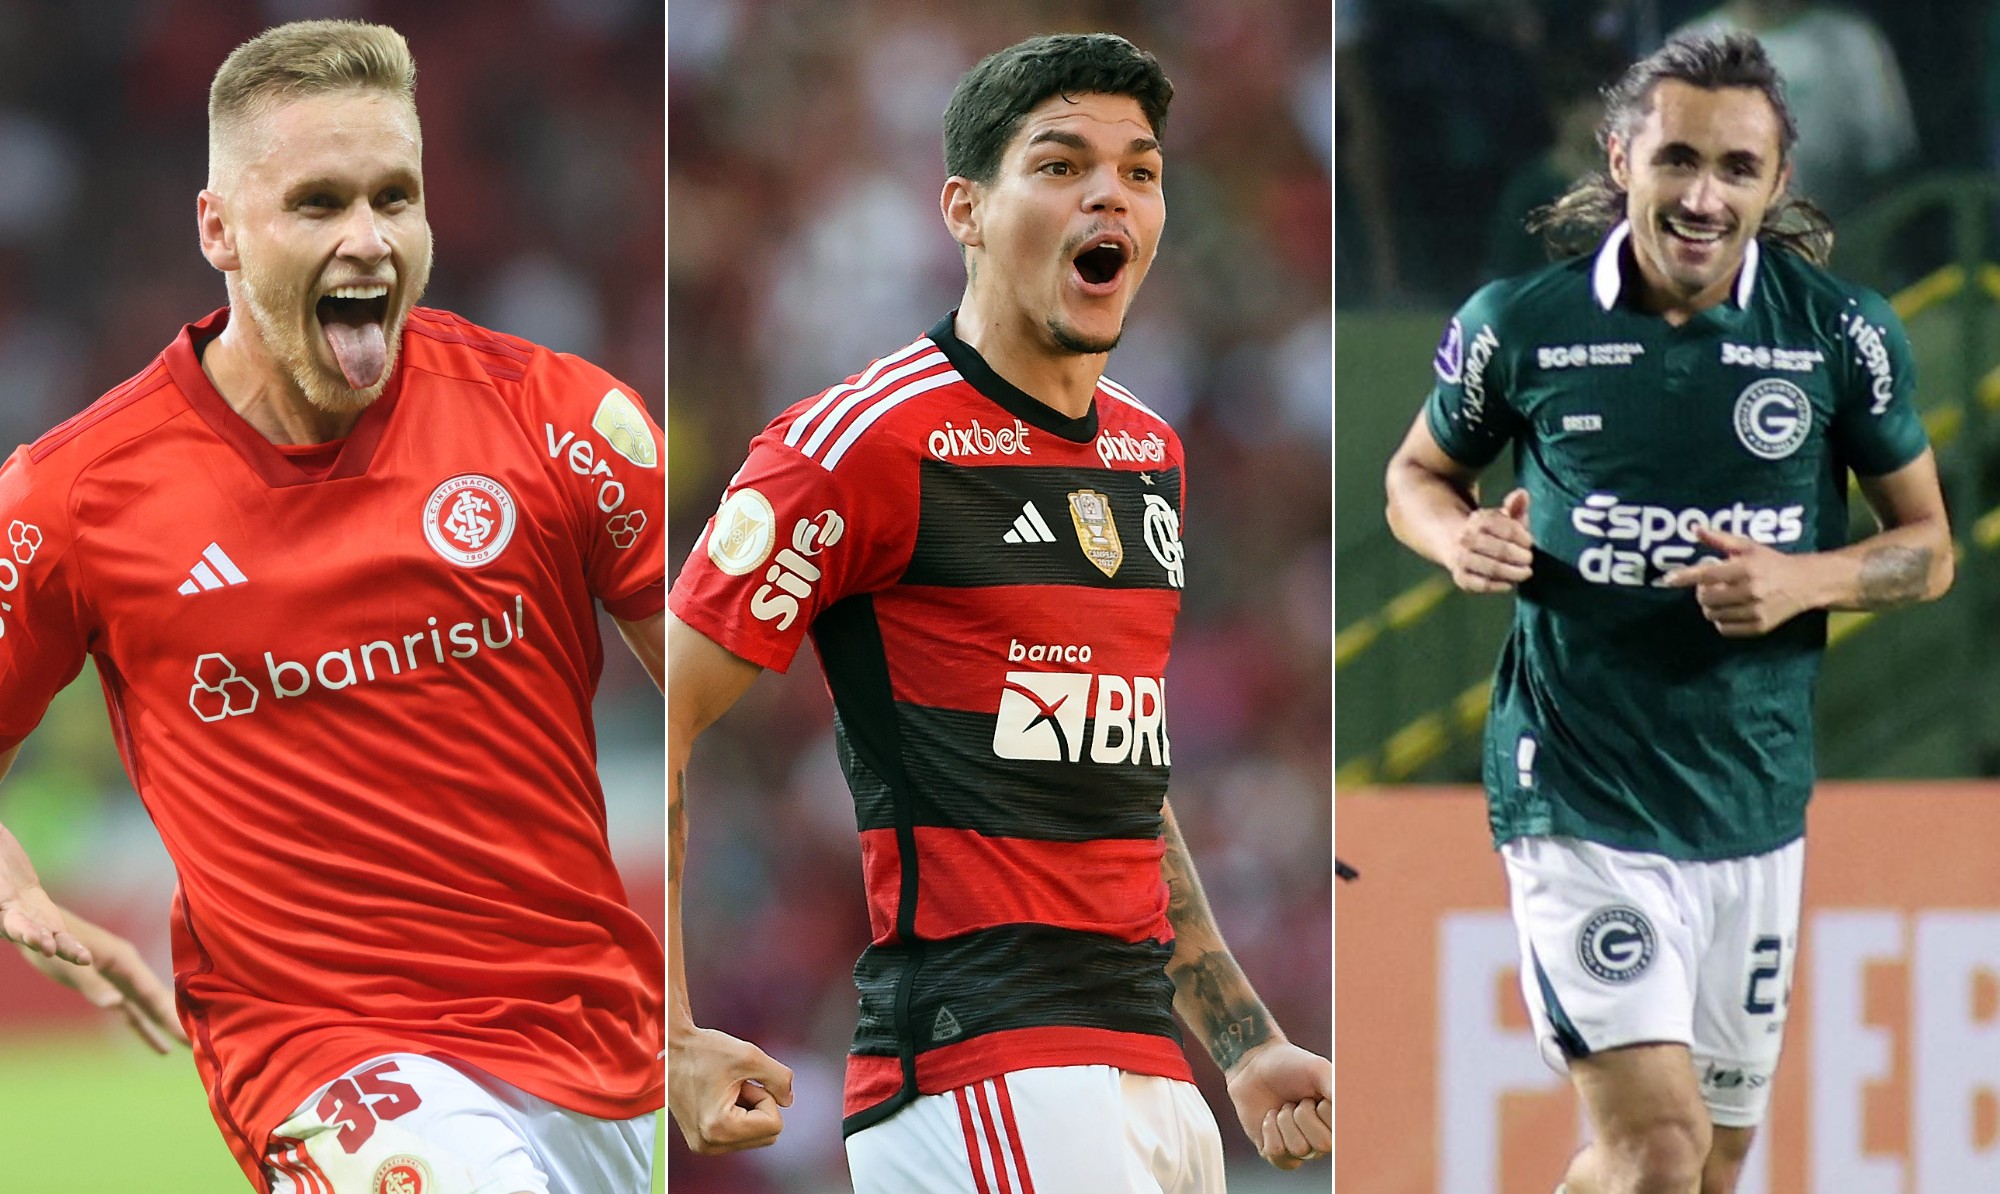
1773	417
469	519
812	535
1582	423
1871	344
1762	356
623	529
950	441
1124	447
1095	530
618	420
215	570
1616	944
1075	717
1638	542
744	530
1472	407
26	539
1450	359
1577	356
219	691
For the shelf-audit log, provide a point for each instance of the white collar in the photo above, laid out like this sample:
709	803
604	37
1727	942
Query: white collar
1608	274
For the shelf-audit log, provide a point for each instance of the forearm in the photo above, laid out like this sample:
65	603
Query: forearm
1211	993
1427	511
1898	566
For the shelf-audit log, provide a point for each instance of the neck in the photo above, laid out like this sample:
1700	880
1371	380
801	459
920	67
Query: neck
1659	296
1023	355
240	368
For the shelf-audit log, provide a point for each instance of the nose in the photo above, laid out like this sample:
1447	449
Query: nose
1704	197
361	236
1106	192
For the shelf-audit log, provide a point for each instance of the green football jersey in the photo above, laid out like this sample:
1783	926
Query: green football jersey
1619	714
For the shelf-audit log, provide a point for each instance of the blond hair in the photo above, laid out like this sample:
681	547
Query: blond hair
305	58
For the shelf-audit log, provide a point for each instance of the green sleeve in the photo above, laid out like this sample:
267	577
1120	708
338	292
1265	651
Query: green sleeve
1876	428
1469	412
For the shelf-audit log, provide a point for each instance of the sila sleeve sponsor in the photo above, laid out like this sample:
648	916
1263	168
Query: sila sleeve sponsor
1876	426
606	453
1468	411
42	625
791	538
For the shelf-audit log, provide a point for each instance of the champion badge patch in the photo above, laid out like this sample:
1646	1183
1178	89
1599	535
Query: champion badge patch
624	428
1095	530
469	519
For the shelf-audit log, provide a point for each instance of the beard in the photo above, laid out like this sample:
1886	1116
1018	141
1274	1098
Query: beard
1070	340
271	301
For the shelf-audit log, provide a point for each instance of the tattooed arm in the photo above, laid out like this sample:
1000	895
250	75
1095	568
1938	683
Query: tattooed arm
1751	589
1281	1092
724	1093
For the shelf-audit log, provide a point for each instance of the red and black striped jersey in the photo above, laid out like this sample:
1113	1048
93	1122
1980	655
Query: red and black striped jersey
991	587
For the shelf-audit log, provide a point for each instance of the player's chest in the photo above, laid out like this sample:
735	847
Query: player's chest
1748	410
435	535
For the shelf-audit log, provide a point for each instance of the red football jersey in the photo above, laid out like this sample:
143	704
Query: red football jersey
353	687
991	588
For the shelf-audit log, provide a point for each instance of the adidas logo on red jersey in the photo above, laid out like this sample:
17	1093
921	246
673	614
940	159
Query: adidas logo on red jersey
215	570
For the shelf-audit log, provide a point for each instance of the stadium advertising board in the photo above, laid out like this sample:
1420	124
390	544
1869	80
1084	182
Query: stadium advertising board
1890	1082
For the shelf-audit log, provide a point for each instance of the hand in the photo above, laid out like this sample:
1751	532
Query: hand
1284	1100
1495	550
117	978
27	915
1749	590
725	1093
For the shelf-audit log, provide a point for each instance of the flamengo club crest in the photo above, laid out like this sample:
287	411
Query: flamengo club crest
469	519
401	1174
1091	512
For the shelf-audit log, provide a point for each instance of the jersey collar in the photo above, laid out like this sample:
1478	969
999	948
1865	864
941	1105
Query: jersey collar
278	470
1011	398
1607	275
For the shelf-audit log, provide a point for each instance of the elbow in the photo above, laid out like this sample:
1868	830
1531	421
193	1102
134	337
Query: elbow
1943	572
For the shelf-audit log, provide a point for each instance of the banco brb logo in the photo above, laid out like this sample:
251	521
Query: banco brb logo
1616	944
1073	717
469	519
219	691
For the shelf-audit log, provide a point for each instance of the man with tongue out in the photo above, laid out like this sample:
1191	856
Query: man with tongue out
981	534
337	558
1685	398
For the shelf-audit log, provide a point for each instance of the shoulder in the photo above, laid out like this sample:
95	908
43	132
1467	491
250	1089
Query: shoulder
441	344
125	414
884	412
1836	308
1136	427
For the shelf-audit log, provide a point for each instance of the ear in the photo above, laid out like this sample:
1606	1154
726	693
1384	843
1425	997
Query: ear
1784	183
1619	161
218	236
959	204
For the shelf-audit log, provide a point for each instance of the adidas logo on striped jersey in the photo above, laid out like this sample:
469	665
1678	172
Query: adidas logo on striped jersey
214	570
1029	528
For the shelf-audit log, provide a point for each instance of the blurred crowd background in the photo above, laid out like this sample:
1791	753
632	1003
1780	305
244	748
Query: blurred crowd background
804	167
544	152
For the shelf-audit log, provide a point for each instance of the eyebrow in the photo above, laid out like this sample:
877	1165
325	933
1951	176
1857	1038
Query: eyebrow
1060	137
1733	157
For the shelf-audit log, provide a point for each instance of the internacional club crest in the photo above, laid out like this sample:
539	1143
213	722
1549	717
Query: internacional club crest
402	1174
1095	530
469	520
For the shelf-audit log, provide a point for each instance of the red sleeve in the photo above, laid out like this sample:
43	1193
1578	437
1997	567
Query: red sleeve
43	630
606	450
792	537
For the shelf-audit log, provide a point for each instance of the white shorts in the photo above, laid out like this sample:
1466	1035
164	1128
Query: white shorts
404	1124
1623	948
1057	1130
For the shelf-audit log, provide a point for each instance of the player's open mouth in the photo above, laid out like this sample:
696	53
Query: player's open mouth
1101	265
353	319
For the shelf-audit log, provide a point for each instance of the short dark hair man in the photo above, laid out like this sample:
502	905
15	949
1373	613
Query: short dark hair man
982	535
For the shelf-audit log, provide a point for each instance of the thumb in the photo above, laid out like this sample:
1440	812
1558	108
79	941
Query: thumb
1726	543
775	1077
1515	505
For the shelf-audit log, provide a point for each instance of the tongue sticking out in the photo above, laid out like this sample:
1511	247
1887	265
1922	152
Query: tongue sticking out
361	349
